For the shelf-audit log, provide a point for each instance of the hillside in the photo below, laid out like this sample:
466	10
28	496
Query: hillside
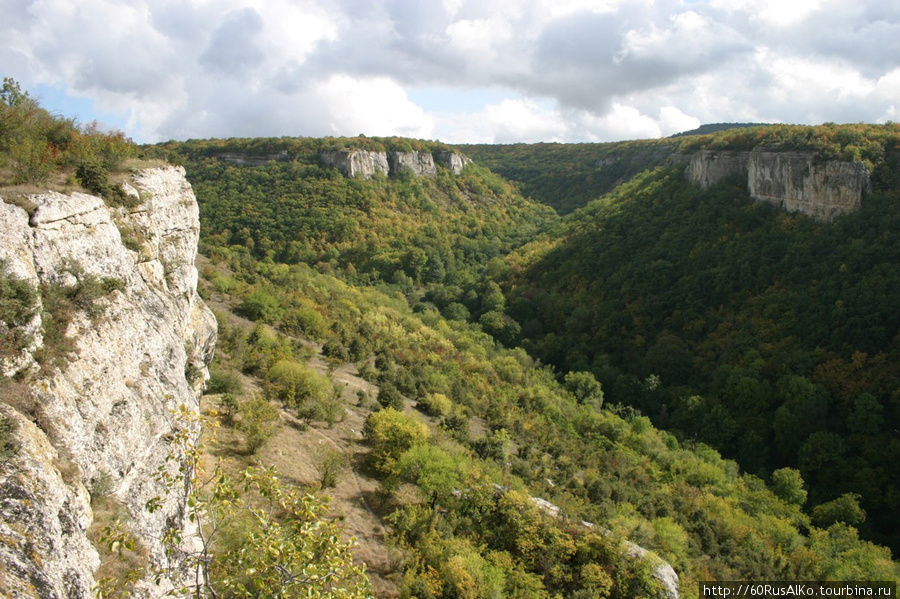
562	437
413	354
568	176
768	335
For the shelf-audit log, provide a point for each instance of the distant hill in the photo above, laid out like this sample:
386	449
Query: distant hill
568	176
715	128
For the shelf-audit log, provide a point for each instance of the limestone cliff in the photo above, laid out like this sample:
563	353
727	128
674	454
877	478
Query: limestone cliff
356	163
419	163
365	164
454	161
707	168
95	412
793	181
797	182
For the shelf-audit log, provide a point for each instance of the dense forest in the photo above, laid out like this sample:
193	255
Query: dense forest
686	370
770	336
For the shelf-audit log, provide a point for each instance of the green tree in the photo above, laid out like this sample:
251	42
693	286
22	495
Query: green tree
844	509
585	387
788	484
258	422
263	306
866	417
261	538
390	433
297	386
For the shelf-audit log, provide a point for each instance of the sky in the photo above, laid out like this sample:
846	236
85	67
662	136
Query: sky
459	71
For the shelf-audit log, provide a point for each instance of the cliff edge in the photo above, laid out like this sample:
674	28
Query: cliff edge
792	181
116	340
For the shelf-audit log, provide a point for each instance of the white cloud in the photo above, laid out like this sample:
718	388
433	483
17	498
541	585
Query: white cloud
569	69
779	13
672	120
375	106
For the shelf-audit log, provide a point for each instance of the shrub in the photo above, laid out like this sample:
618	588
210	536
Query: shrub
436	404
585	387
18	303
263	306
788	485
224	381
259	421
228	407
94	177
390	433
292	383
9	446
330	463
389	397
843	509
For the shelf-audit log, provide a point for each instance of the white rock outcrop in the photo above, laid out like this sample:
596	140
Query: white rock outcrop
454	161
792	181
419	163
797	182
660	569
103	417
365	164
356	163
707	168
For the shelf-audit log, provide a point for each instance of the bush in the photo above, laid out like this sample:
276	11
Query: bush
390	433
389	397
330	463
9	446
310	395
292	383
263	306
259	421
436	404
18	303
18	299
228	407
224	381
94	177
843	509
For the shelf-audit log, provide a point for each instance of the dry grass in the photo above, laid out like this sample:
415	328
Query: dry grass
119	569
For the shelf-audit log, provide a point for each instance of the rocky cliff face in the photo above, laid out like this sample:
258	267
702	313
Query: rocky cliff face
455	162
356	163
793	181
800	183
707	168
419	163
96	414
365	164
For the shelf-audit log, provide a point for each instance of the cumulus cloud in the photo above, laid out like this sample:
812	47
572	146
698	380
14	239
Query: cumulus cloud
569	70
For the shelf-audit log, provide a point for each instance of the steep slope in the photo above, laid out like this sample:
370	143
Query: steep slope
770	336
502	429
112	341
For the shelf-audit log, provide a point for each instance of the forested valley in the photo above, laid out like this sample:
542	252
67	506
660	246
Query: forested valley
698	373
563	371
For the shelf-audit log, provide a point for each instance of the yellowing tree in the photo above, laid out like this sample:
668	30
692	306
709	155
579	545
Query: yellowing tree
390	433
